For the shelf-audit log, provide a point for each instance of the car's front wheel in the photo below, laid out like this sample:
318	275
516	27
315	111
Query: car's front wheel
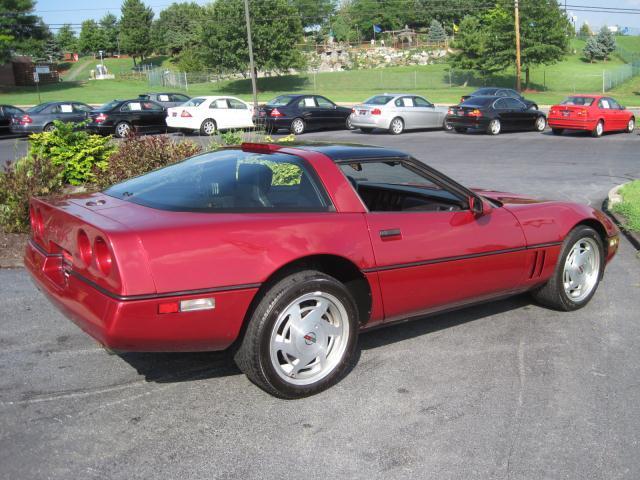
301	336
631	125
541	123
577	273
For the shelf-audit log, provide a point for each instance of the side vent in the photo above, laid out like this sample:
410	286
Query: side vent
537	264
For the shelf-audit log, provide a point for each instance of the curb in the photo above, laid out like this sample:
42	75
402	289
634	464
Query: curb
612	199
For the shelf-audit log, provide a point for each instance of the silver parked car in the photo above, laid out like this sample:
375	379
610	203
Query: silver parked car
397	112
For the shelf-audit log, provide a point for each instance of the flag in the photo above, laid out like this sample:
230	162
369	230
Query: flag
455	28
377	29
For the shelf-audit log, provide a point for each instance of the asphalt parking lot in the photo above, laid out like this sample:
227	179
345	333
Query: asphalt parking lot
506	390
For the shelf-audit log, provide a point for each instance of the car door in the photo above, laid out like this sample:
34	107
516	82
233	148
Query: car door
505	114
426	114
242	117
332	117
618	113
307	108
608	114
5	119
220	112
132	112
405	108
154	116
81	111
522	116
428	259
66	113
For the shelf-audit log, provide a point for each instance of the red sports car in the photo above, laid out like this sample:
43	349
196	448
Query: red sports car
592	113
285	253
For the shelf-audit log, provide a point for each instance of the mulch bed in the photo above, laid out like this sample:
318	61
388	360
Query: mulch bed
12	249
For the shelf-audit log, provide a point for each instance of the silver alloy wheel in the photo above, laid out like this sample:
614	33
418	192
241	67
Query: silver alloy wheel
349	123
309	338
581	269
447	126
599	129
297	126
541	124
49	128
397	125
494	126
123	129
209	127
631	125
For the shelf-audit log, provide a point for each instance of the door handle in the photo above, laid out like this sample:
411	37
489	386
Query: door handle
391	234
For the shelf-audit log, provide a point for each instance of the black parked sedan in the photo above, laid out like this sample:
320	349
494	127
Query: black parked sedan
494	115
124	117
6	113
500	92
299	113
41	117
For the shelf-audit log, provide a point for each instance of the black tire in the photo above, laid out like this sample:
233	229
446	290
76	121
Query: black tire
49	127
253	355
460	130
120	129
553	294
396	126
557	131
492	129
366	130
631	125
447	127
206	127
599	130
297	126
540	124
347	123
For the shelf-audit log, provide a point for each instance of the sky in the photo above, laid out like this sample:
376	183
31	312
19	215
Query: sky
57	12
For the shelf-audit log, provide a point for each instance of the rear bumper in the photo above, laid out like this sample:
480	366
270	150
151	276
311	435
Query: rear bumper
467	122
370	121
271	122
133	323
571	124
183	123
100	129
25	129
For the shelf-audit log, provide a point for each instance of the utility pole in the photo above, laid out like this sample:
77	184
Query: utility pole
518	66
251	66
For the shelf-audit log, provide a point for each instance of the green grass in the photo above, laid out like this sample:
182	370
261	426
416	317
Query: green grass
630	206
548	84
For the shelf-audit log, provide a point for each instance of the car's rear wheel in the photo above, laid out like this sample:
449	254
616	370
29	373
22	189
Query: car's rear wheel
396	127
348	124
460	129
447	126
599	130
494	127
366	130
577	273
297	126
208	127
631	125
557	131
49	127
301	336
123	129
541	123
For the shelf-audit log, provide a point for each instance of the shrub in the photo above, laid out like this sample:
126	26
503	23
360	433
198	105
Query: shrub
138	155
29	176
78	152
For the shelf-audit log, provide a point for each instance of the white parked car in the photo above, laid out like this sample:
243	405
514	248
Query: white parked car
208	114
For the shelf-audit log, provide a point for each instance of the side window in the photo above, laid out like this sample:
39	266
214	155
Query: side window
421	102
604	104
502	93
512	103
132	107
236	104
220	103
79	107
66	108
404	102
324	103
511	94
500	104
152	107
614	105
307	102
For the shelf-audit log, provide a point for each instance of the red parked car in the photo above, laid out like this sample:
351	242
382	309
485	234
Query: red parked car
285	253
591	113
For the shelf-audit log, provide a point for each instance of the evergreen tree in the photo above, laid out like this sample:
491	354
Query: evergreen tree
585	30
437	33
178	27
52	50
21	32
66	38
91	39
110	29
314	12
606	42
592	50
135	29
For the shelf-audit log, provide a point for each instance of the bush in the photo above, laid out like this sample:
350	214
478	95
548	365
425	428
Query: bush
28	177
138	155
78	152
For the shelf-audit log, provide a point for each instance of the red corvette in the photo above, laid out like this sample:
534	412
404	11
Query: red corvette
592	113
285	253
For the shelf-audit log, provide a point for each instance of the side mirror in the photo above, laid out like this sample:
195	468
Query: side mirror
476	207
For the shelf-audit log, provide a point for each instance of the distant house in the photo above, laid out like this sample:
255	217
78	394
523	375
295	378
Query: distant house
20	72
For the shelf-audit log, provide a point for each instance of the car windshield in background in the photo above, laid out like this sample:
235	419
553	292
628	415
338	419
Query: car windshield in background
228	181
108	106
281	101
582	101
194	102
378	100
38	108
485	91
477	102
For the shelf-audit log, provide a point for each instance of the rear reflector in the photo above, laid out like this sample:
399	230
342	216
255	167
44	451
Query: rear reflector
26	119
103	257
193	305
84	248
475	113
100	118
276	113
376	111
185	114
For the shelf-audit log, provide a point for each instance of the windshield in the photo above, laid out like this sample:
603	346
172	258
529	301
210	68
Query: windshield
378	100
484	91
228	181
583	101
281	101
38	108
108	106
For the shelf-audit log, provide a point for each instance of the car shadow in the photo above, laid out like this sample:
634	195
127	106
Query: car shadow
185	367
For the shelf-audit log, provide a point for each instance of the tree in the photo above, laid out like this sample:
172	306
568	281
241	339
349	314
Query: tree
585	30
606	42
592	50
21	32
91	39
110	29
224	36
178	27
66	38
135	29
472	43
437	33
52	50
314	12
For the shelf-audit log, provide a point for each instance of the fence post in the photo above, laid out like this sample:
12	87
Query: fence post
450	83
415	79
186	85
603	81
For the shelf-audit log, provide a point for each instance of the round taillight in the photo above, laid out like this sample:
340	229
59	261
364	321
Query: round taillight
103	257
84	248
36	222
